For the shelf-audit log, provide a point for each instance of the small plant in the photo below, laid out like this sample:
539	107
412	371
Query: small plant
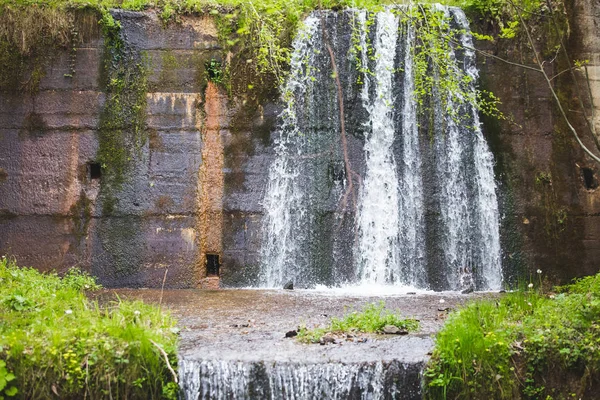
543	178
372	319
6	379
214	71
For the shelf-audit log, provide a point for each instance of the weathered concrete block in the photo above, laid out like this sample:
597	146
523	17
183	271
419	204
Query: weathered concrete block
144	30
181	71
84	75
135	251
43	173
44	242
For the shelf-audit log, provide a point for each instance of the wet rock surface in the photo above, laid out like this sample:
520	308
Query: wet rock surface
251	325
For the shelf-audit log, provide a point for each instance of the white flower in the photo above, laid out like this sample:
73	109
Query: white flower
530	305
530	285
539	271
136	312
68	312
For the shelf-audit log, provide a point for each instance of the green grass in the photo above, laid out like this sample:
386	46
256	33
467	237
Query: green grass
525	345
371	319
56	343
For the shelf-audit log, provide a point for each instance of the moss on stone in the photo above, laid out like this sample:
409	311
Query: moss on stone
122	129
28	37
169	64
33	126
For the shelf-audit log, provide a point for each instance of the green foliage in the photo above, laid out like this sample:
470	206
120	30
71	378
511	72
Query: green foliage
6	377
54	342
499	10
258	32
437	72
371	319
214	71
524	344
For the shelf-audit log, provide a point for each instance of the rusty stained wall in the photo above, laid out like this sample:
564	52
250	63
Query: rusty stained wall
210	201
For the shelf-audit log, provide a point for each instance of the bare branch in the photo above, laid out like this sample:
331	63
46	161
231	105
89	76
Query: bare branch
563	72
166	356
575	80
559	104
340	95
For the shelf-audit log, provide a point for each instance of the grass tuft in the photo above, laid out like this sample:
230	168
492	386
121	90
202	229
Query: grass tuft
372	319
526	345
54	342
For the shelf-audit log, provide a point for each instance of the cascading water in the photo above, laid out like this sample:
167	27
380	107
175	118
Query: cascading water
286	206
423	212
221	380
378	214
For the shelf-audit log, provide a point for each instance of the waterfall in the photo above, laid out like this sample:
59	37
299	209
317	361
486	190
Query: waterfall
285	206
412	242
378	214
488	224
423	212
451	144
221	380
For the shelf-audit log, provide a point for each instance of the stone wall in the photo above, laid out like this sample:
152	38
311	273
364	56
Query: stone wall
196	186
51	216
550	214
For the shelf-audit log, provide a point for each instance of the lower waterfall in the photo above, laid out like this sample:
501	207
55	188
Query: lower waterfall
222	380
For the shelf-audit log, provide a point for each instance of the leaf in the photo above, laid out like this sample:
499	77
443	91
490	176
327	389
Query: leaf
11	391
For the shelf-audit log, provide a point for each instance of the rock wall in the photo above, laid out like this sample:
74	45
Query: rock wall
50	200
548	184
196	185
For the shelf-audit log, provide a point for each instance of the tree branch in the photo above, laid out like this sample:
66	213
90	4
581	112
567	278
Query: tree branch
559	104
166	356
340	95
575	80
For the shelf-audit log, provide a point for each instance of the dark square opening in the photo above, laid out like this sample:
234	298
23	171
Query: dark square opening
336	171
95	170
589	179
212	265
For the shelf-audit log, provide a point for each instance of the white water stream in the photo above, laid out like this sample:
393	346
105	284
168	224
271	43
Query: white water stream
426	212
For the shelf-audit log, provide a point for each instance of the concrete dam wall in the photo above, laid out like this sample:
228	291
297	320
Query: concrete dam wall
192	192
